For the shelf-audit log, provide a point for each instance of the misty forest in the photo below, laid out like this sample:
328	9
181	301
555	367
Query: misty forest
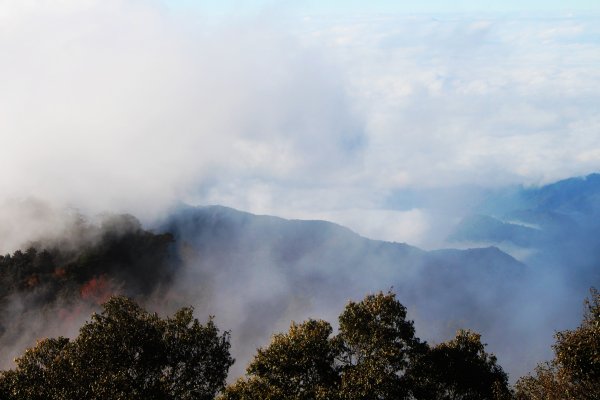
310	200
105	280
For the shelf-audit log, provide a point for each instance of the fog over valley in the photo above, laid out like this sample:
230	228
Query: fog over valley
269	162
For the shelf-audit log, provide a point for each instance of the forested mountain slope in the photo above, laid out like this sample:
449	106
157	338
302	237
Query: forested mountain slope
256	273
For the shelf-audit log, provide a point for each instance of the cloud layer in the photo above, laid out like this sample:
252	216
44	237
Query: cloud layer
134	106
124	105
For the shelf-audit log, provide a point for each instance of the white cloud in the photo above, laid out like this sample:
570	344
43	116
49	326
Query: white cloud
380	224
120	105
129	106
462	100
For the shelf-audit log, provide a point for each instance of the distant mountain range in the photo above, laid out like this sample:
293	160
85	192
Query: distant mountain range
318	258
257	273
274	270
559	224
262	271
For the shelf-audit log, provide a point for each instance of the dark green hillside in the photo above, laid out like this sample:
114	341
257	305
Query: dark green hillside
122	258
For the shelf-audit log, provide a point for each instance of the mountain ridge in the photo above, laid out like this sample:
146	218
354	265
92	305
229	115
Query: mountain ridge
256	273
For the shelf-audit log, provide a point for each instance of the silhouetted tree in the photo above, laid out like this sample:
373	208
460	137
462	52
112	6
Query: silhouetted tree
125	353
296	365
366	360
377	344
459	369
575	371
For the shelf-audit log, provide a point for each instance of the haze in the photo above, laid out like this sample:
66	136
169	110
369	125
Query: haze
290	110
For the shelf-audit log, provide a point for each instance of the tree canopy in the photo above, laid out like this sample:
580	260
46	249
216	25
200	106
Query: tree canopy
574	373
376	343
375	355
296	365
124	352
459	369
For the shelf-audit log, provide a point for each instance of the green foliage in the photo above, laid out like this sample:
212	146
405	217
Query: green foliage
296	365
119	250
115	258
125	353
375	355
545	384
377	344
578	351
37	372
575	371
459	369
368	359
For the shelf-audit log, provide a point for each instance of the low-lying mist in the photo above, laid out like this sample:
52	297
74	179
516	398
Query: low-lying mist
119	117
255	274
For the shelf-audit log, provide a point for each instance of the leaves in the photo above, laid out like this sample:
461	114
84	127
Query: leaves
296	365
125	353
367	359
459	369
575	371
377	344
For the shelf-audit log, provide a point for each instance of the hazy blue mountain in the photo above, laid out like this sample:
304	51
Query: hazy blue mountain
571	200
573	196
272	270
482	228
290	269
257	273
316	250
558	223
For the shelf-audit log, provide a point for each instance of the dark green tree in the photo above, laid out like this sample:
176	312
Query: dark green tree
296	365
375	355
575	371
125	353
377	344
459	369
366	360
40	373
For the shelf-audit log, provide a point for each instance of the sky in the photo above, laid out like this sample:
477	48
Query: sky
309	109
387	6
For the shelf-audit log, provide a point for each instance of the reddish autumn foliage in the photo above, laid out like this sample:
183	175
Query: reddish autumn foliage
97	290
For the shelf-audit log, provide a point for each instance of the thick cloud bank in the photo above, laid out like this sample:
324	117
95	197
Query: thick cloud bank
125	105
134	106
